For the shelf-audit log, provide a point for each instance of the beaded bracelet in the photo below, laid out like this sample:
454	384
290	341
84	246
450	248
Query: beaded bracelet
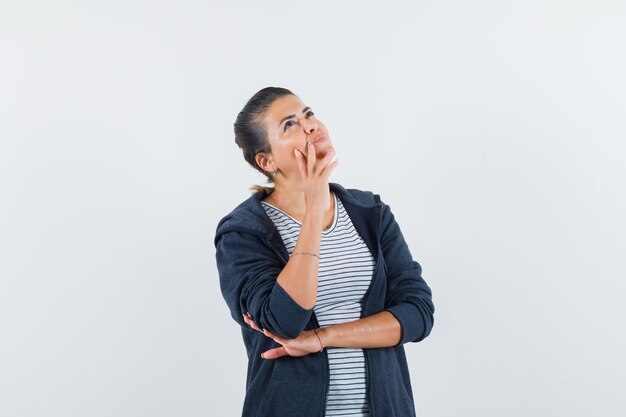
305	253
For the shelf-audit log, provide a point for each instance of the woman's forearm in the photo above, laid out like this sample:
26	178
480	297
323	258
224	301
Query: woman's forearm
299	277
379	330
376	331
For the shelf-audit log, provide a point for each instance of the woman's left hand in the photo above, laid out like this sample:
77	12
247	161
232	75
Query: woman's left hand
307	342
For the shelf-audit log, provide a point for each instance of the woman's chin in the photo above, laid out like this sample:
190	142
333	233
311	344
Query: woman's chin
321	149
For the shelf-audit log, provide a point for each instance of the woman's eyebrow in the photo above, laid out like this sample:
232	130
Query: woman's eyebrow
291	116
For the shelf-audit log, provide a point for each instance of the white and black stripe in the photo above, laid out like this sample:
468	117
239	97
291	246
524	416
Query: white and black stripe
345	271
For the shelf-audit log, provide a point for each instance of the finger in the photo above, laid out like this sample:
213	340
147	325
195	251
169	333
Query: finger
328	158
330	167
300	160
247	318
274	353
253	324
311	158
276	338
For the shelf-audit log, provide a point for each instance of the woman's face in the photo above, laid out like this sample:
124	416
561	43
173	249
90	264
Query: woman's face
289	125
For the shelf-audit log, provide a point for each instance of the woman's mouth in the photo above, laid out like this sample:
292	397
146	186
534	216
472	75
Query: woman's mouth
320	139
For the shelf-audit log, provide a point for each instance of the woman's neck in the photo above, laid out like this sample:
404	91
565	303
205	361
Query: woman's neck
288	199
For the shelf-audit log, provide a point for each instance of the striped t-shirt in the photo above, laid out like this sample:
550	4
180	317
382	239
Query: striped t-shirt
345	270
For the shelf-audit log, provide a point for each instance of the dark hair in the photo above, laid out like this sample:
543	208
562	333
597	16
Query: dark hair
249	130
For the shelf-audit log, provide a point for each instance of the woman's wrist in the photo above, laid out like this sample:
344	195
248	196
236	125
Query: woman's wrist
319	339
313	219
325	336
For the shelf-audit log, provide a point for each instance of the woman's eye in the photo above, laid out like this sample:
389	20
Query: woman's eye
310	113
288	124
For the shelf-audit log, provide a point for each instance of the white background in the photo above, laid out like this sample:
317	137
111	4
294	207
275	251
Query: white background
494	129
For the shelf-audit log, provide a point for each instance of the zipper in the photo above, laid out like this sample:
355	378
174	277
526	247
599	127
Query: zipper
326	372
369	382
366	354
365	351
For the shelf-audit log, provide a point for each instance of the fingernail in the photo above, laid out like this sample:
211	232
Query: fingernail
308	144
262	356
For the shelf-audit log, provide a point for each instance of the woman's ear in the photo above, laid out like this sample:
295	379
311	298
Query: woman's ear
264	161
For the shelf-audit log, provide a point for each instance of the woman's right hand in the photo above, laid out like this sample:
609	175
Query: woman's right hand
315	176
308	342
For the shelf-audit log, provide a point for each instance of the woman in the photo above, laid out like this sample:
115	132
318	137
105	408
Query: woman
319	277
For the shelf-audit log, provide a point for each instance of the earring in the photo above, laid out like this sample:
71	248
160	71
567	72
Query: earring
274	173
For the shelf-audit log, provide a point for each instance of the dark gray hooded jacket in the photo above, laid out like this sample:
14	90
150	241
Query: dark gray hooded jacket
250	254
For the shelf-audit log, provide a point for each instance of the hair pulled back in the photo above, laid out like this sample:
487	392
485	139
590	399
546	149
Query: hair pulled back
250	133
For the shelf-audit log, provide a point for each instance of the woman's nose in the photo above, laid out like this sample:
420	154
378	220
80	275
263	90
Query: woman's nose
309	126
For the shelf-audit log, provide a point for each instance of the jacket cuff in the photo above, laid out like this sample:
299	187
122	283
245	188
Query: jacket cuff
410	322
293	318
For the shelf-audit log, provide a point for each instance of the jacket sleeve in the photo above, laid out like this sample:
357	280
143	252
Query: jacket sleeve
248	269
408	296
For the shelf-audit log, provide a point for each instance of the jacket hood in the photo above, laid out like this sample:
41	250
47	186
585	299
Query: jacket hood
250	217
